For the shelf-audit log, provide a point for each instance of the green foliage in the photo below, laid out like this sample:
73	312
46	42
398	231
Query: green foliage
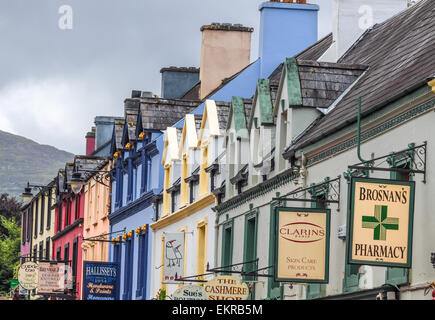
161	294
9	252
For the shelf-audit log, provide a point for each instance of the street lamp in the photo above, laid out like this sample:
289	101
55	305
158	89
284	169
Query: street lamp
76	182
27	194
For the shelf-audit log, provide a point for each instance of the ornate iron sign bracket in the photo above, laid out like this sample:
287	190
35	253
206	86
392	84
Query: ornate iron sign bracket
237	268
329	189
409	161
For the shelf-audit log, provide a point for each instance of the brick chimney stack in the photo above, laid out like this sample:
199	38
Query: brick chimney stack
225	50
90	141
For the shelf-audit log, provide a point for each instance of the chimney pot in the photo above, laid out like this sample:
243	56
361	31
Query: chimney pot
147	94
135	93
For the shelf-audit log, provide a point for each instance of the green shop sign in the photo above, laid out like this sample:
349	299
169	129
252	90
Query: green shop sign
302	245
381	222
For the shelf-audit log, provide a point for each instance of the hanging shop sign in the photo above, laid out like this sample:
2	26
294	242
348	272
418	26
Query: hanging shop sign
226	288
189	292
173	257
14	284
100	280
28	275
302	245
381	222
51	278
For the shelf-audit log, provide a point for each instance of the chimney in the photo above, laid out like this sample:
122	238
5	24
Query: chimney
103	132
90	142
352	18
225	50
177	81
286	28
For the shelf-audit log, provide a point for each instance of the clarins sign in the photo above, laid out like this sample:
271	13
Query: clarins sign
381	219
302	245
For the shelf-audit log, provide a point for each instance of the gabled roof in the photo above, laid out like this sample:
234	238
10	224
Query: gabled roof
189	134
240	110
129	131
316	84
118	129
171	148
263	101
400	56
216	113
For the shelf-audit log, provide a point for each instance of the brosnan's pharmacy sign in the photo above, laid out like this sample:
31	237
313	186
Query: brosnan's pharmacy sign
381	222
302	245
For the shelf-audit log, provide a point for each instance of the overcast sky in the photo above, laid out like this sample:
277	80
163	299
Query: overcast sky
54	81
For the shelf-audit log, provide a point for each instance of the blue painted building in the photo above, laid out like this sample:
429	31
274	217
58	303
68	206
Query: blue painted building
137	141
136	147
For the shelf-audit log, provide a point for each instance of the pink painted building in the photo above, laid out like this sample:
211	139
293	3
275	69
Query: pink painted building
67	240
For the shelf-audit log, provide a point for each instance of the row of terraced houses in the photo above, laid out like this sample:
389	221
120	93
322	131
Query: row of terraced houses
227	143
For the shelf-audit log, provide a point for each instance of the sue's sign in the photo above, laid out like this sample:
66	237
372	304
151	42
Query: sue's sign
302	245
381	222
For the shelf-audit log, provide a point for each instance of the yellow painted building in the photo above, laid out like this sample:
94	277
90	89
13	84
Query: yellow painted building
96	222
187	199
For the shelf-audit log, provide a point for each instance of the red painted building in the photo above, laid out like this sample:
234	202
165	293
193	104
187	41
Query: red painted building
70	208
68	238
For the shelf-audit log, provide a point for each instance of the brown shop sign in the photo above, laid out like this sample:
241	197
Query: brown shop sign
381	222
302	245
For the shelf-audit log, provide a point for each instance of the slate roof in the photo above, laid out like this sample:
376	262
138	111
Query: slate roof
89	163
193	93
243	116
399	53
158	113
223	110
322	82
313	52
198	121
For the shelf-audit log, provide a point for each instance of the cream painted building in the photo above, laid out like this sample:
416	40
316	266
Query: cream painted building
187	200
305	147
96	222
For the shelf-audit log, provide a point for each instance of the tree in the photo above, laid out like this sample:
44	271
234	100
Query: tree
10	207
9	251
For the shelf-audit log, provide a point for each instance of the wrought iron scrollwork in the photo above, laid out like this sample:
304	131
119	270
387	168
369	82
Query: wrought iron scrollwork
330	189
411	161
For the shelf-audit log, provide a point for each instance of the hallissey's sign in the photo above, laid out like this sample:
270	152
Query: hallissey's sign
302	245
100	281
381	220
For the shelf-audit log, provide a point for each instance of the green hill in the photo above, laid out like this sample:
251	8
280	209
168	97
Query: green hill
23	160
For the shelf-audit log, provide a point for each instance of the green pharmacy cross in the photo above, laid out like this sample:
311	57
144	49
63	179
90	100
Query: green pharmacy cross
380	223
